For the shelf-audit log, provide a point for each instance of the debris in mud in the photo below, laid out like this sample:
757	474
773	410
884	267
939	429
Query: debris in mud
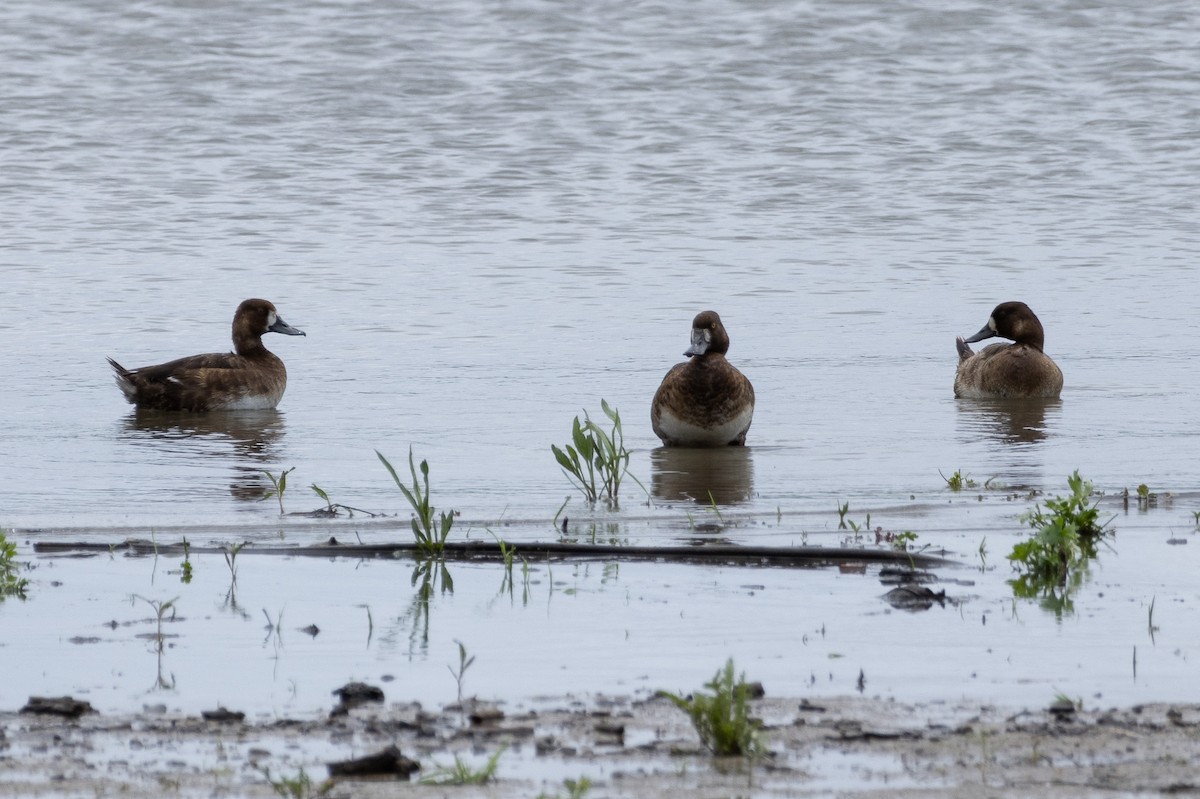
388	762
223	716
353	694
894	576
65	706
481	715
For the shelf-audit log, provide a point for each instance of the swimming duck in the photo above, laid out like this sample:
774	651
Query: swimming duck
249	378
1017	370
704	402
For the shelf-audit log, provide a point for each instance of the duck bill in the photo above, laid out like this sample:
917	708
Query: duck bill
986	332
283	327
701	341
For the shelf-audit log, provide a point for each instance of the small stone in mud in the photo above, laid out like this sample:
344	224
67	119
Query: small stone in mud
388	761
486	715
222	715
64	706
385	762
353	694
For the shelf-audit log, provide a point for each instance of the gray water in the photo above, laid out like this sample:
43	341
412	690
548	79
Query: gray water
489	216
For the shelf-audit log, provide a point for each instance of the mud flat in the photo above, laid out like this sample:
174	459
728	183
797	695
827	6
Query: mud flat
624	747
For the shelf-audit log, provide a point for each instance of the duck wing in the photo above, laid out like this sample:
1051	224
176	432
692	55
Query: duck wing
185	384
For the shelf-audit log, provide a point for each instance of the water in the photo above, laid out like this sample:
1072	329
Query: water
487	217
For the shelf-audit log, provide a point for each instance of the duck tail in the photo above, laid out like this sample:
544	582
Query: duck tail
124	380
964	349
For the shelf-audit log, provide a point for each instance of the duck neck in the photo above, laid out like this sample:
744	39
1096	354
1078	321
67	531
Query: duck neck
246	342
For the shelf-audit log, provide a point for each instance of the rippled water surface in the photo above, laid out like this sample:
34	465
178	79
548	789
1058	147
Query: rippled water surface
489	216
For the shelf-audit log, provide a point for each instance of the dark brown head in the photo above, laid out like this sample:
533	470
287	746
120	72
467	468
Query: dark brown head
708	335
1013	320
252	319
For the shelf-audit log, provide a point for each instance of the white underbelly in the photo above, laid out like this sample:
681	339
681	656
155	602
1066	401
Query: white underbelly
688	434
249	402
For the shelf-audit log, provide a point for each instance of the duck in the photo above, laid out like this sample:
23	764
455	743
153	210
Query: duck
249	378
1008	371
704	401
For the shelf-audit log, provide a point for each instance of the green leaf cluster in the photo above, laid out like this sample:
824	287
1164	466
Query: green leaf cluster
430	538
596	460
1054	560
722	717
11	583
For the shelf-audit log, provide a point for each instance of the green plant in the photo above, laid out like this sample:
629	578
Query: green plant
842	510
1078	509
595	455
1196	518
958	481
10	583
186	566
722	718
431	541
279	486
231	554
902	541
299	787
461	772
1053	561
464	663
320	492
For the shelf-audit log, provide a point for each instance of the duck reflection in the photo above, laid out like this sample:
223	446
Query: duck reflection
249	439
1010	421
722	475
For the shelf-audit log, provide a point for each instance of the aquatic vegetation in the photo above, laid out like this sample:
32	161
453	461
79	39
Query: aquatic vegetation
1053	561
596	461
901	542
160	607
842	510
320	492
299	787
1151	627
722	717
11	584
431	539
279	486
186	566
464	663
958	481
231	554
461	773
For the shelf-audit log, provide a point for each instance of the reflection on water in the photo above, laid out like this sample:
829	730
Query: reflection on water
249	439
1010	421
724	475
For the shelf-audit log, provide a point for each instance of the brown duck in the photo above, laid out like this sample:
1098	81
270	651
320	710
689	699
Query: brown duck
1017	370
249	378
705	401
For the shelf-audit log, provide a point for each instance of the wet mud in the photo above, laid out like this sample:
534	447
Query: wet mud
622	747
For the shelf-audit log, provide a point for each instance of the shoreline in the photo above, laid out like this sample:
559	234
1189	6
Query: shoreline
624	747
